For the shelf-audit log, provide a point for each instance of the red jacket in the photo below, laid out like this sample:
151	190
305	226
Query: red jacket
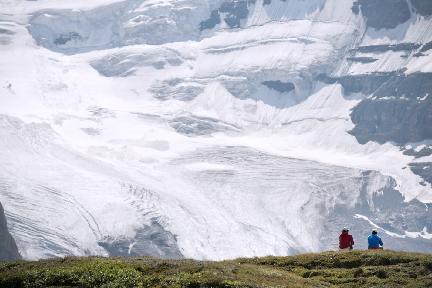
345	240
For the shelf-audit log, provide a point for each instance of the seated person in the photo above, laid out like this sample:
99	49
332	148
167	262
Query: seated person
374	241
346	241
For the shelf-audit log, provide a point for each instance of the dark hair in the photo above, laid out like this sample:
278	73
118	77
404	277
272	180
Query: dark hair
374	232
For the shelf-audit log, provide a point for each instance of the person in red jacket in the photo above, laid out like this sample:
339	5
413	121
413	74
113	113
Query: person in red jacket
346	241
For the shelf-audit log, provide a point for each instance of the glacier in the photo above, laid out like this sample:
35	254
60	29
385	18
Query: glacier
214	129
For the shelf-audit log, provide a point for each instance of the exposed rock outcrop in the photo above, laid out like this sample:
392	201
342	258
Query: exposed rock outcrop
8	248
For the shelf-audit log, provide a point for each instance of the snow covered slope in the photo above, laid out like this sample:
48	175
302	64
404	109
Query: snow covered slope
214	129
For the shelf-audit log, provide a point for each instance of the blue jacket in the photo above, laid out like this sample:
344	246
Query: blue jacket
374	241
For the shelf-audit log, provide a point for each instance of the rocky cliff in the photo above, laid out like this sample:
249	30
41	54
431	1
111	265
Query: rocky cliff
8	248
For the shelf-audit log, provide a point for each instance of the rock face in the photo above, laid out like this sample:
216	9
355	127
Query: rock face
8	248
400	110
383	14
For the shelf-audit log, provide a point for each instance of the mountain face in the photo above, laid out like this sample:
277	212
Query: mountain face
215	129
8	248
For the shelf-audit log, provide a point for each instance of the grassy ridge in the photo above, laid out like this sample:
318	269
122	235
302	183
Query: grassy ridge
329	269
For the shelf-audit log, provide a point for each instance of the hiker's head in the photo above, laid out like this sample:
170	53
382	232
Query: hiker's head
345	229
374	231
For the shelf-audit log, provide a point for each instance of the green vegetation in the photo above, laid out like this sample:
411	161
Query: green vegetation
329	269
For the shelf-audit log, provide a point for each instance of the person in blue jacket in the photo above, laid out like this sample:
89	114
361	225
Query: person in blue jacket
374	241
